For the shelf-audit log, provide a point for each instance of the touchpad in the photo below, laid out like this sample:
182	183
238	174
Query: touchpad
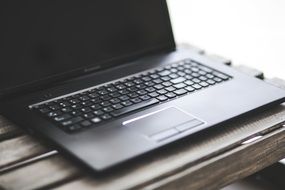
164	122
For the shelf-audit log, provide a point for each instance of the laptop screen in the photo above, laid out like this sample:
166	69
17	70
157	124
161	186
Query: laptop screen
46	40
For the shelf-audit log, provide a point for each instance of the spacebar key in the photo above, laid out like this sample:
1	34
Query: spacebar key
134	107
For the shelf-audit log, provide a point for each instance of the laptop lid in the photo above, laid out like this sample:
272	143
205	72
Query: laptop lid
45	41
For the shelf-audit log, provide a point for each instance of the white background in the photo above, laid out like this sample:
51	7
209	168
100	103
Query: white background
250	32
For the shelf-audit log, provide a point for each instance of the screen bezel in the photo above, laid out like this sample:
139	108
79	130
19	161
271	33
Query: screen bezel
116	61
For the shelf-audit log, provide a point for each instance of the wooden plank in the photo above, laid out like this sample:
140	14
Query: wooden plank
19	149
8	130
183	155
230	166
39	175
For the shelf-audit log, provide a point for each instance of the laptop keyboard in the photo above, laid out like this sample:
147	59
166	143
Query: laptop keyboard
94	106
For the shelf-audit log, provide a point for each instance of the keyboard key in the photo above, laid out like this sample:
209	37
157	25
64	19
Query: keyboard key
124	91
166	78
138	81
87	103
164	73
154	94
180	92
133	95
158	86
54	107
196	80
202	72
150	83
136	100
210	76
76	113
170	95
112	89
190	89
115	94
162	91
44	110
84	98
103	92
98	112
104	104
88	115
86	123
203	78
106	116
167	84
129	84
146	79
204	84
162	98
170	89
64	104
197	86
134	107
106	97
217	79
157	81
117	106
127	103
145	97
93	95
195	74
142	92
74	101
173	76
96	120
120	86
115	101
150	89
96	100
54	113
86	110
96	106
180	85
141	86
206	69
154	76
72	121
108	109
62	117
182	74
124	98
211	82
189	82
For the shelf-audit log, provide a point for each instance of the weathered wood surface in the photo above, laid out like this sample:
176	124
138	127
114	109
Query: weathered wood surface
208	160
8	130
230	166
19	149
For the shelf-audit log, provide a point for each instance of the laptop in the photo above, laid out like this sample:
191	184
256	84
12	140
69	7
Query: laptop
103	81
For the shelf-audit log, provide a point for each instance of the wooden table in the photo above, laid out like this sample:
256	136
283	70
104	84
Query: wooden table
209	160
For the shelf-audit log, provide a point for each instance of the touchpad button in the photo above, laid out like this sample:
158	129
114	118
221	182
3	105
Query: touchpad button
160	121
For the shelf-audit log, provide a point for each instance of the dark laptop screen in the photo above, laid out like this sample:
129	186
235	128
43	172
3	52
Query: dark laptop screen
45	39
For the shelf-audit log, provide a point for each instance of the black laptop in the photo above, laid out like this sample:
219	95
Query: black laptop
103	81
